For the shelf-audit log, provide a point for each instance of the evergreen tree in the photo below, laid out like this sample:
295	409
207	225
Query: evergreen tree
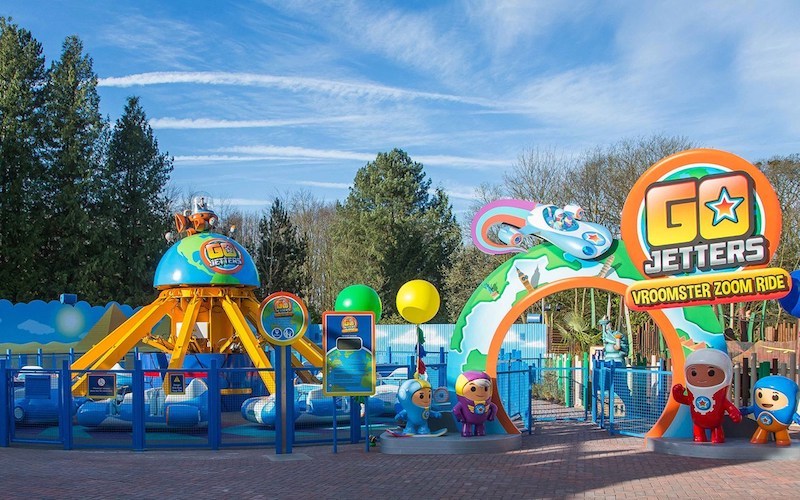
281	254
392	229
133	210
22	79
73	128
467	270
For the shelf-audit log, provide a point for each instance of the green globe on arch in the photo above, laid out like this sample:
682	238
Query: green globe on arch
359	298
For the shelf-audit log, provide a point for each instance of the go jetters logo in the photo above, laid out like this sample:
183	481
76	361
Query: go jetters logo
221	256
702	225
349	324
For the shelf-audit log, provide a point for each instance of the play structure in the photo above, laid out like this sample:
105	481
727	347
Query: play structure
698	228
206	282
694	224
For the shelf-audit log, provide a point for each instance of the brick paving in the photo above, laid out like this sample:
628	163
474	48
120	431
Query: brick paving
566	460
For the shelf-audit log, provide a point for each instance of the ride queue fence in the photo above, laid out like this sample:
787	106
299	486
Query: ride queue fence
622	400
145	408
628	400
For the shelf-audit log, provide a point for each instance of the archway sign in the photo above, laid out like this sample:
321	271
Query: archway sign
698	228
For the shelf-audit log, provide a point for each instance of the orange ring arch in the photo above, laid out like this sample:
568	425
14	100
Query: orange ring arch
670	337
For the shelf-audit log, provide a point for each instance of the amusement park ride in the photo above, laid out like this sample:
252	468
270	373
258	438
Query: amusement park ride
207	285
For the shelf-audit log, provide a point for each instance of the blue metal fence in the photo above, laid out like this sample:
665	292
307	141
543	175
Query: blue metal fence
214	407
628	400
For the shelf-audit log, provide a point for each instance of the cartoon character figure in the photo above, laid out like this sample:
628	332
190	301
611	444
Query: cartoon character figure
474	407
708	377
774	408
200	219
414	396
558	220
616	348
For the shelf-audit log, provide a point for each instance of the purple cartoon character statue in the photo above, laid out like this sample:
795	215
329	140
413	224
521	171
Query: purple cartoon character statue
474	407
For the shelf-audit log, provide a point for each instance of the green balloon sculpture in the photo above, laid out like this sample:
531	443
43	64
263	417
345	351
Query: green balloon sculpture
359	298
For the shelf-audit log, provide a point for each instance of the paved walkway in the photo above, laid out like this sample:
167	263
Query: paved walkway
559	461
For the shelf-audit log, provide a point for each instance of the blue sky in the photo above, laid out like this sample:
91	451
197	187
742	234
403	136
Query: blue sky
258	99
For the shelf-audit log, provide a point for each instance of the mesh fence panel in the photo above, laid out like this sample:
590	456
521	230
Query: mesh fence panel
640	401
104	421
629	400
514	390
35	406
176	408
248	412
558	393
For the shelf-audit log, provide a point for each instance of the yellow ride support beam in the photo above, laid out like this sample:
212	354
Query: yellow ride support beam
132	323
164	346
184	336
124	339
250	343
309	350
304	375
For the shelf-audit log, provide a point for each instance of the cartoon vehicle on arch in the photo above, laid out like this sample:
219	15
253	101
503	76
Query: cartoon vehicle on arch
566	227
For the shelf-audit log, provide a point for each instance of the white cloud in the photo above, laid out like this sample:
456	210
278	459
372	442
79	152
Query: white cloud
331	185
299	152
222	158
462	162
35	327
247	202
214	123
291	83
461	192
507	25
166	42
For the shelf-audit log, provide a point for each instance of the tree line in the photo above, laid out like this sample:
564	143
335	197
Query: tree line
84	205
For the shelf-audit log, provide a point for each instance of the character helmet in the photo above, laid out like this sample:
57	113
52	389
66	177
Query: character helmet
468	377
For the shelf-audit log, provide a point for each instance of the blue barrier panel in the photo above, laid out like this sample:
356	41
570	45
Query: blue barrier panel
5	404
629	401
65	418
214	407
138	407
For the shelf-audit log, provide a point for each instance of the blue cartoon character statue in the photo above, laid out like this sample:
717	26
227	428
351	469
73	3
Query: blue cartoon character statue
774	409
616	349
474	407
414	396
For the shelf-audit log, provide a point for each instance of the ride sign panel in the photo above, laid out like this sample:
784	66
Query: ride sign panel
701	226
348	340
102	385
284	318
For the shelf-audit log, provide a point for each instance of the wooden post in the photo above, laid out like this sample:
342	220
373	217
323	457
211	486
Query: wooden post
753	375
737	385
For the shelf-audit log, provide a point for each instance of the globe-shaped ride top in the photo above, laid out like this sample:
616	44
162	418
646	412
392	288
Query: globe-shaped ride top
206	259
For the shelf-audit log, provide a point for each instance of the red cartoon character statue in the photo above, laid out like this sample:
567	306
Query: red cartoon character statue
708	377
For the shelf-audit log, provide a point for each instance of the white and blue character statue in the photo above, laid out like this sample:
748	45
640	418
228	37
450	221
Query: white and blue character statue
616	348
414	396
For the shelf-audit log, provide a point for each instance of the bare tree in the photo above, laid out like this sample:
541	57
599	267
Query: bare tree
313	218
540	175
605	175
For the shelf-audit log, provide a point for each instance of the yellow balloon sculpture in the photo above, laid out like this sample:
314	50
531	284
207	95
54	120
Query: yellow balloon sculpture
417	301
